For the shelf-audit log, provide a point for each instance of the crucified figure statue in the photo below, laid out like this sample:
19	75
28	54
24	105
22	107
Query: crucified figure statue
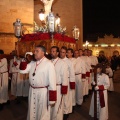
47	6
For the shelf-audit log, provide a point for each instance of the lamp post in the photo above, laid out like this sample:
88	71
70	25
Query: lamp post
86	44
18	32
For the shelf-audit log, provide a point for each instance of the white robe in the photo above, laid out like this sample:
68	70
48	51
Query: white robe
45	75
87	61
79	70
16	82
68	97
110	74
102	112
3	81
73	60
62	79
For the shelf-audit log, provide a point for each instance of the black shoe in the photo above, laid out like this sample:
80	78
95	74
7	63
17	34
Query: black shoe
1	107
73	109
78	105
17	100
65	116
8	102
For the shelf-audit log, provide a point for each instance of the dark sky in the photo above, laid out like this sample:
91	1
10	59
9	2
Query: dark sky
101	17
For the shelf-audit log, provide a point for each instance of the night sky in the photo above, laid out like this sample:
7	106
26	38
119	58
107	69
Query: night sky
100	17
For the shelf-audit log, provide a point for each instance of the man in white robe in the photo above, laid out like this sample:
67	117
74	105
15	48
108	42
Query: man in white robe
3	80
71	85
70	53
80	71
94	62
16	83
61	82
88	68
42	92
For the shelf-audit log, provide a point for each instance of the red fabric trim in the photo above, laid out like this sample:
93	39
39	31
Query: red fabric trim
72	85
83	76
102	100
23	65
101	87
46	36
15	63
87	74
52	95
64	89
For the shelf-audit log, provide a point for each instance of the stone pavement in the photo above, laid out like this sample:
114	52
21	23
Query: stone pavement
19	111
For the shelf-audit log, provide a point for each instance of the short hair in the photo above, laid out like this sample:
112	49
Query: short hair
81	49
70	49
64	47
42	48
56	47
1	52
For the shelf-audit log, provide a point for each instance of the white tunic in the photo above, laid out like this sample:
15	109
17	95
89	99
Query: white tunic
16	82
79	70
3	81
73	60
68	97
87	61
110	74
102	112
39	108
62	79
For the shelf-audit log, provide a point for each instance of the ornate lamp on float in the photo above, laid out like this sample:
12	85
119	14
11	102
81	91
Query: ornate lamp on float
57	23
18	29
76	34
51	24
18	32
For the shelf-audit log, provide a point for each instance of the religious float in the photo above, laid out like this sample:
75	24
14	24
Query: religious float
49	34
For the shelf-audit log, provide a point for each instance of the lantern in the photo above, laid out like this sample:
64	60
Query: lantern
18	28
76	33
51	23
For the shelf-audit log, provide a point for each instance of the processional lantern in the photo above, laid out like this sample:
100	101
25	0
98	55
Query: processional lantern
18	28
51	22
57	23
76	33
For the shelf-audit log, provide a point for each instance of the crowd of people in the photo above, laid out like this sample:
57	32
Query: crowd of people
57	83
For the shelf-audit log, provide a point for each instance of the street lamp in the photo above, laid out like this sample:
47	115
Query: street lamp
86	44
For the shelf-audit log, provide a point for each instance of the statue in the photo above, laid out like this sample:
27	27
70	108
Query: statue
47	6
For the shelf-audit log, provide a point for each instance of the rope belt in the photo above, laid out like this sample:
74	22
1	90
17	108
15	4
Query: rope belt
2	76
78	73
